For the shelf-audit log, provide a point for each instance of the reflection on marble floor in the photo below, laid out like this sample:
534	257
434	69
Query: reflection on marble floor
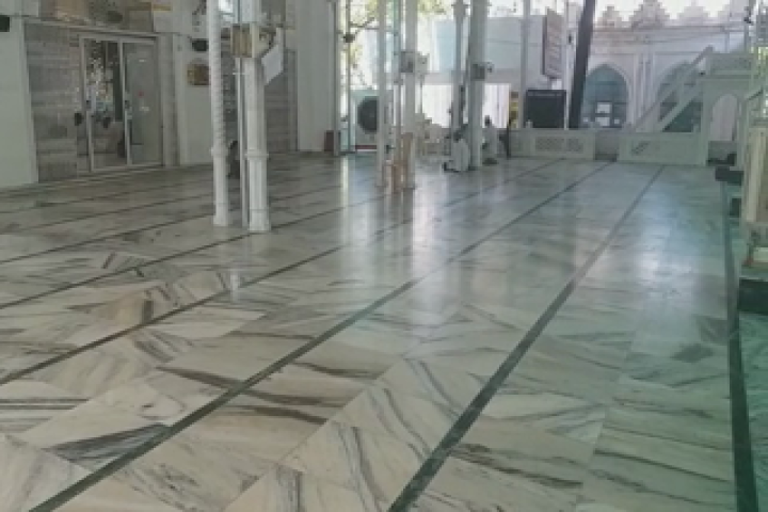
186	368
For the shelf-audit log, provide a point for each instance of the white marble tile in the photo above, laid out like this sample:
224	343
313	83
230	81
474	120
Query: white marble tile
188	473
285	490
91	435
344	456
25	404
30	476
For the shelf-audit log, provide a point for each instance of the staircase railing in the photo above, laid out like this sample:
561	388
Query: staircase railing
683	102
648	121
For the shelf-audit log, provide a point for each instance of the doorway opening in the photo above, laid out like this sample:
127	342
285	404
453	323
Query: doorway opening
119	122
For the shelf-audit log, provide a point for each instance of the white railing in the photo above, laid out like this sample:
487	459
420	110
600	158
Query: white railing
730	64
661	148
649	119
565	144
682	102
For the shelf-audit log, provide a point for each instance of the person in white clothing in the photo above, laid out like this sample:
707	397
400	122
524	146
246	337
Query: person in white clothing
491	135
459	155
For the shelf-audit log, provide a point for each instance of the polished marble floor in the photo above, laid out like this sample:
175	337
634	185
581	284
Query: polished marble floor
541	336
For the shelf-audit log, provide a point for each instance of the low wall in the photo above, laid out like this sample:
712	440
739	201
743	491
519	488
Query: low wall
565	144
660	148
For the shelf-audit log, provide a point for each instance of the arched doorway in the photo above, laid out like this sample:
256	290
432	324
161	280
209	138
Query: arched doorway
690	117
723	145
724	118
605	99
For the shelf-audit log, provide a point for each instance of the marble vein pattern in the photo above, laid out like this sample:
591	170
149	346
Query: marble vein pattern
285	490
374	466
29	476
24	404
357	334
91	435
192	474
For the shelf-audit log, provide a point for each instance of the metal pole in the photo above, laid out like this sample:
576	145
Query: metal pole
241	128
411	48
477	90
397	75
567	59
459	14
382	134
336	78
256	152
525	36
219	150
583	47
350	103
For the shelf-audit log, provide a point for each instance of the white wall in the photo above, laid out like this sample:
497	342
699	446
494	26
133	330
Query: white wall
195	128
314	45
502	50
17	152
645	57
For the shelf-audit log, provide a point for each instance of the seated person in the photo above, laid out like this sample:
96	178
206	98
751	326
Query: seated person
491	146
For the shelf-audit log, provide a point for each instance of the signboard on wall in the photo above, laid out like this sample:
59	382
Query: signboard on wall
198	73
552	60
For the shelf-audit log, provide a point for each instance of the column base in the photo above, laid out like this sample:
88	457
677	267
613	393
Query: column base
222	219
259	222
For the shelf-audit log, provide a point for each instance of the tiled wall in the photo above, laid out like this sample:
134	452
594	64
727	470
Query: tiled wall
54	91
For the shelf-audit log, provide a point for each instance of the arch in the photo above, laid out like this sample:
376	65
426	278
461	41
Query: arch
606	96
725	116
723	128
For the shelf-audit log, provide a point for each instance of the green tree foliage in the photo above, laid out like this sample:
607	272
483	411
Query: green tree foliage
365	17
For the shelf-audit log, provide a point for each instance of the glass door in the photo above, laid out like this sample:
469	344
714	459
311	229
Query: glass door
121	103
142	103
103	96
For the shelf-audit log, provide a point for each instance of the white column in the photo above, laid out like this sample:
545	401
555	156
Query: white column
477	90
525	37
314	63
397	75
383	129
566	80
219	149
18	158
409	121
256	147
459	14
334	6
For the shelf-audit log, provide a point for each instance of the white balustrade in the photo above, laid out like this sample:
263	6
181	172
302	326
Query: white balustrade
661	148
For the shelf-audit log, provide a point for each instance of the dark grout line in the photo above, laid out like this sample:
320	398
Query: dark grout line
244	236
10	377
102	214
232	190
429	469
117	464
115	181
743	467
235	208
94	198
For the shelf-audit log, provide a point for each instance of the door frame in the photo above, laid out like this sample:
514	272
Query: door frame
150	41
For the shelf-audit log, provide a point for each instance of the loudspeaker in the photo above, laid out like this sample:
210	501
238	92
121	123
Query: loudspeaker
200	45
5	23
